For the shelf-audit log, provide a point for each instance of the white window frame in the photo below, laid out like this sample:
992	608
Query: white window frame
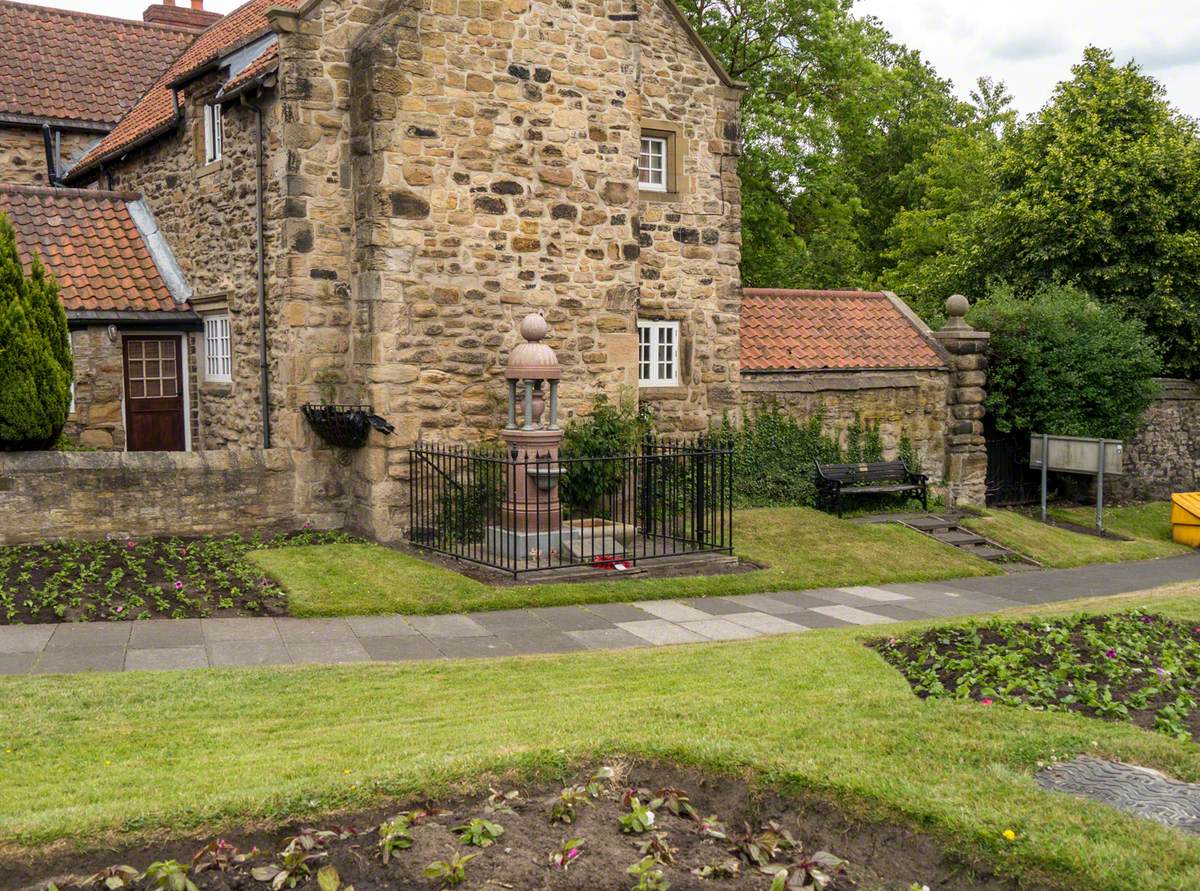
214	133
658	353
654	148
218	349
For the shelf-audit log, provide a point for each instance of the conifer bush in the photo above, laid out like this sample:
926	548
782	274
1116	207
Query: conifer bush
35	352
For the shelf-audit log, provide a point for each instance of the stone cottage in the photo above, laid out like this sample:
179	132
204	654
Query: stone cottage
359	197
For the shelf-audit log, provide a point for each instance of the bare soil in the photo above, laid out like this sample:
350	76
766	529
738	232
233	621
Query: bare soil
878	855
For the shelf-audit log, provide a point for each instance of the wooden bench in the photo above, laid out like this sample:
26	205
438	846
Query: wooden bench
837	481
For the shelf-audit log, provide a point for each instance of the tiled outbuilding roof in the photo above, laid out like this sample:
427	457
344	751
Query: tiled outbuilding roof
785	330
156	111
71	66
89	240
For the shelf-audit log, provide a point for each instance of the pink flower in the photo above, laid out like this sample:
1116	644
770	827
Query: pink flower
183	552
1110	654
117	609
131	544
985	701
179	586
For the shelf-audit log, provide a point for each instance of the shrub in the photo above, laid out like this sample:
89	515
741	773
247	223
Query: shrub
611	429
1062	363
773	456
35	355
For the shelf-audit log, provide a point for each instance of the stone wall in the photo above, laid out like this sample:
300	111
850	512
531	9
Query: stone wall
1164	456
207	212
23	153
53	495
98	421
903	403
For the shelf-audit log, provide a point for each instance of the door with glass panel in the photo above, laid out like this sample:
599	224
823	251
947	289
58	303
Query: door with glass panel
154	394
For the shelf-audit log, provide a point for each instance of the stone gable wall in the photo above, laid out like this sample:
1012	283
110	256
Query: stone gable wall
207	213
23	153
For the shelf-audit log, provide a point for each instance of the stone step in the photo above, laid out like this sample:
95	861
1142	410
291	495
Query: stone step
987	552
929	524
959	537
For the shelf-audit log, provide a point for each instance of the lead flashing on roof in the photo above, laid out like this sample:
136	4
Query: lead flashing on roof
160	251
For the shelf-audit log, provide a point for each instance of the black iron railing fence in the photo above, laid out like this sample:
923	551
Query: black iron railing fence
673	497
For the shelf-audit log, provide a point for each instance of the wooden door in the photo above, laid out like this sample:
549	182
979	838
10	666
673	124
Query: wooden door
154	394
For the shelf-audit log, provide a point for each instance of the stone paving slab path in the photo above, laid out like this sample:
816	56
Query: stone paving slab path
200	643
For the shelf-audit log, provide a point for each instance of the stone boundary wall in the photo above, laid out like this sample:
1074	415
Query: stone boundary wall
904	402
1164	456
46	496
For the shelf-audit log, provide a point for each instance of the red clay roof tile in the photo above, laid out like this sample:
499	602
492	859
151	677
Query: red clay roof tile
73	66
785	330
89	241
156	110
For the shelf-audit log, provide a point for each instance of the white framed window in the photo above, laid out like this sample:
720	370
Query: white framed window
652	164
218	363
214	133
658	354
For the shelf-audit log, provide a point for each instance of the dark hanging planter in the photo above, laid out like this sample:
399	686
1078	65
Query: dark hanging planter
346	426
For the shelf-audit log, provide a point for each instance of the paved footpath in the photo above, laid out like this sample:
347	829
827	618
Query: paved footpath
201	643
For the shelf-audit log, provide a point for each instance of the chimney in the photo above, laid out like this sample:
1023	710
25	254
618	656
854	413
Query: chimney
167	13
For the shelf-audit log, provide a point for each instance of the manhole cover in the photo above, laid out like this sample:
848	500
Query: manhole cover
1136	790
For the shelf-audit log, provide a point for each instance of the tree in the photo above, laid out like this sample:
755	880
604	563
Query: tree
35	384
1060	362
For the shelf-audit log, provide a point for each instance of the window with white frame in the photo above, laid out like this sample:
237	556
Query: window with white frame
658	354
214	133
218	364
652	164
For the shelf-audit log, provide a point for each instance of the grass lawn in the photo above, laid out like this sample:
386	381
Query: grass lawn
102	758
801	548
1061	548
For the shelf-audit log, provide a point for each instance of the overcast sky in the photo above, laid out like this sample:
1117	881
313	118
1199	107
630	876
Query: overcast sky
1028	44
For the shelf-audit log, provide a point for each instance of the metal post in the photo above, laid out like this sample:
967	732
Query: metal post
1045	464
1100	490
553	405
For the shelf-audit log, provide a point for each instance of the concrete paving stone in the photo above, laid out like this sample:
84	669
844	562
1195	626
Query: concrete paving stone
808	599
165	658
878	595
241	653
400	649
538	640
618	612
314	630
475	647
720	629
926	590
166	633
73	659
380	626
660	631
24	638
761	603
17	663
510	620
765	623
672	611
713	606
572	618
89	634
853	615
906	613
239	629
820	620
607	639
327	652
448	626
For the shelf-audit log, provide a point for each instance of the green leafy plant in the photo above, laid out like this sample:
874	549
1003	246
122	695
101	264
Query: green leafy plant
811	874
295	860
599	781
568	852
658	845
221	856
502	802
677	802
726	868
566	806
328	879
450	873
761	847
639	819
394	835
712	827
114	878
650	877
479	832
610	430
168	875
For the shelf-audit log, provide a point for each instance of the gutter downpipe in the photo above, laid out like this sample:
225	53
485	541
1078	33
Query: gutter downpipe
263	367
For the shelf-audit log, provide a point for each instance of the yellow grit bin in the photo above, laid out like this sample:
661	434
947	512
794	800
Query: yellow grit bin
1185	518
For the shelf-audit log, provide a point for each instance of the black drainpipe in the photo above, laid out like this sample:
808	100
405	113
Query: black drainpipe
52	177
263	367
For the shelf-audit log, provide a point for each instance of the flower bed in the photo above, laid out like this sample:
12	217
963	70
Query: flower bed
1130	666
78	581
611	830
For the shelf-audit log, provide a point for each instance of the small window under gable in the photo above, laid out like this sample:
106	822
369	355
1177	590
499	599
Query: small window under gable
658	353
214	133
218	360
653	164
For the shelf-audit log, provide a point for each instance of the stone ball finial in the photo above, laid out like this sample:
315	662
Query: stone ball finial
534	327
957	306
